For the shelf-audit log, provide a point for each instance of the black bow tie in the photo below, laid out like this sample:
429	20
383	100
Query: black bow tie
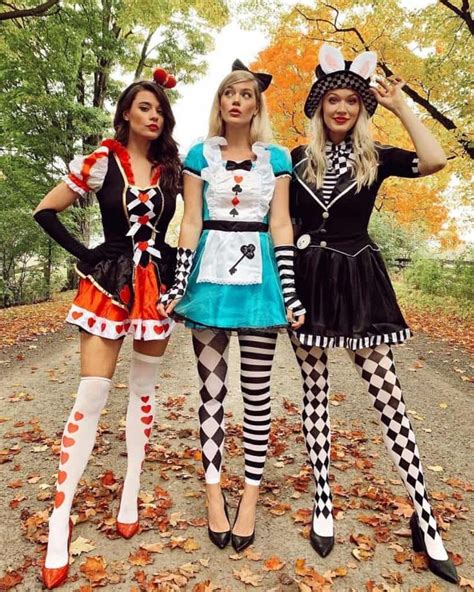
231	165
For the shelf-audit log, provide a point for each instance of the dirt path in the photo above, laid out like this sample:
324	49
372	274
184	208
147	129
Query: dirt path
36	393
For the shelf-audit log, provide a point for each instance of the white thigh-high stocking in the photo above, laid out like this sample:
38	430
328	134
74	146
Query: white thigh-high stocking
76	447
140	415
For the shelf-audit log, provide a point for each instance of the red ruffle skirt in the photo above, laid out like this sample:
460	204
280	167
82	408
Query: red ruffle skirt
97	313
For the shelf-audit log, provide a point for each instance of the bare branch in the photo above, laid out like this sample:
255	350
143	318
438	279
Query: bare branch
334	26
441	118
463	13
41	10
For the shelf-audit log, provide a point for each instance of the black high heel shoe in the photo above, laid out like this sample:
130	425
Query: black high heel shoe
321	544
241	542
220	539
442	568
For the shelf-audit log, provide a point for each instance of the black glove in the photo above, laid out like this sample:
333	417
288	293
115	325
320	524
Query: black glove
285	258
112	249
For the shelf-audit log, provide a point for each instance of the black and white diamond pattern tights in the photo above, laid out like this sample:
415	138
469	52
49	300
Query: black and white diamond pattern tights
317	429
377	369
256	357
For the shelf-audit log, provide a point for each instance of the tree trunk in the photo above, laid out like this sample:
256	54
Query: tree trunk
143	57
48	269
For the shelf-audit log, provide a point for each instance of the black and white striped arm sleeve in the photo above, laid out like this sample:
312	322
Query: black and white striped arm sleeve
184	262
285	258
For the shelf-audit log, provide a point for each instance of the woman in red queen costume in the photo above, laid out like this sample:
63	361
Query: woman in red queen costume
136	177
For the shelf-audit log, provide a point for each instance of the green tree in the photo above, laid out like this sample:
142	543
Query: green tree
397	241
59	77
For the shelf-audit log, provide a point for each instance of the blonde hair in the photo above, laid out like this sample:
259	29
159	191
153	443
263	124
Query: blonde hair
260	130
364	165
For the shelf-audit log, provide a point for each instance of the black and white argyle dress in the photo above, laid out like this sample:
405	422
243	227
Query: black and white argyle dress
341	277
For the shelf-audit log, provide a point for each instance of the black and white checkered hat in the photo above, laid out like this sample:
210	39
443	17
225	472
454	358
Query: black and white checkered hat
340	78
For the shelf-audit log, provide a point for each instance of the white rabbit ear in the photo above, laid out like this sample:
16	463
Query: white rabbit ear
364	64
330	59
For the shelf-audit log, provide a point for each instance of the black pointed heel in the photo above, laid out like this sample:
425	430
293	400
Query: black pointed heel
220	539
442	568
321	544
241	542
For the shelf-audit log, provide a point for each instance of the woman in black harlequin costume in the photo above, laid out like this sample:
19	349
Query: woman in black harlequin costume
136	177
341	277
227	280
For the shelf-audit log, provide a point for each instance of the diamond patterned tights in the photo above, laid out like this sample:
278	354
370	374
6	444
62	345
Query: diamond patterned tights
256	357
377	370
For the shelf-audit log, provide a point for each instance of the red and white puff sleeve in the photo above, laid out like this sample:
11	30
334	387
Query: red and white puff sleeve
87	173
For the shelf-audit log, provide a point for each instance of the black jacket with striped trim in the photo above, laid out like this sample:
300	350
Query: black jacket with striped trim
341	224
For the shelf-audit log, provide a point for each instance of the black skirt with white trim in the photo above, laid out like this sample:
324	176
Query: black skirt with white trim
349	299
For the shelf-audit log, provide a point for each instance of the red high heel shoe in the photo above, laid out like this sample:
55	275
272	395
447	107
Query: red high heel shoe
127	530
53	577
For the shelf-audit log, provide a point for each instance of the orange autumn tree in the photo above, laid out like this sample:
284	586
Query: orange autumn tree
291	58
414	201
292	67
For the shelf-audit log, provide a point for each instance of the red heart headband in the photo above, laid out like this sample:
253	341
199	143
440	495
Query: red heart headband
162	78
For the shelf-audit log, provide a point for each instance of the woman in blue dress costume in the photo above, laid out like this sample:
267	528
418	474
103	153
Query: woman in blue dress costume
342	279
230	277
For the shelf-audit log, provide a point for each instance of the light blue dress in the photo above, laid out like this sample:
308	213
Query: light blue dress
228	289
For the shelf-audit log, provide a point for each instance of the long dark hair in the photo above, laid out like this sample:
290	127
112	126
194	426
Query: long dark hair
163	150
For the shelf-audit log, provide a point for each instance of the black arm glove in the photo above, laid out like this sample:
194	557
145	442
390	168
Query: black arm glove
50	223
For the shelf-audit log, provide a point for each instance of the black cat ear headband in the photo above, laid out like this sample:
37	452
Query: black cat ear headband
263	80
